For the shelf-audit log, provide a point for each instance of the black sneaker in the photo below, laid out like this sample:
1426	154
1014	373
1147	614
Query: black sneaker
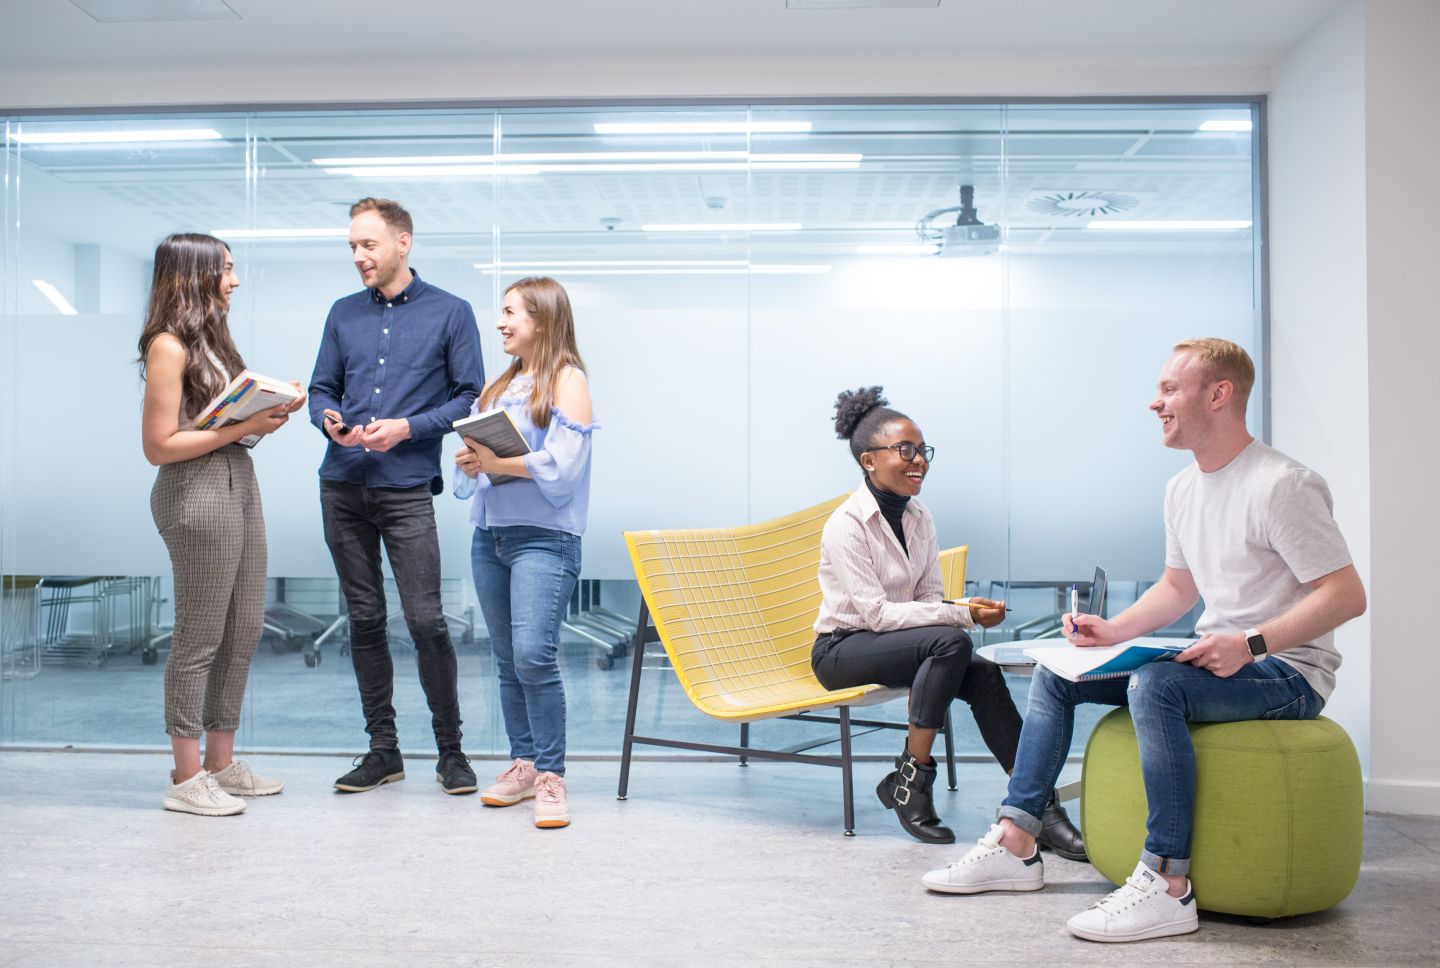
371	770
453	773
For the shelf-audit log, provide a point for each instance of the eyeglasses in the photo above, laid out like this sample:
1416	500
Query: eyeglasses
907	450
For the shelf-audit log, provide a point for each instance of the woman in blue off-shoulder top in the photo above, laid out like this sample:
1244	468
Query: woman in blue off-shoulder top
526	551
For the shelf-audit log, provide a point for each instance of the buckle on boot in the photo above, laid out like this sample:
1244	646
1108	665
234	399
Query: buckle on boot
902	788
907	769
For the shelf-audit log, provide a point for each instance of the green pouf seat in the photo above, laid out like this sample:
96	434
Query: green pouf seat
1279	812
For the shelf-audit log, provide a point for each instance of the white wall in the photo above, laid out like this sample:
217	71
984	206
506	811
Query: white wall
1402	138
1319	380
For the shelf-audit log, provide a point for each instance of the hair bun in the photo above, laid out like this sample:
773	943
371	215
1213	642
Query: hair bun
851	406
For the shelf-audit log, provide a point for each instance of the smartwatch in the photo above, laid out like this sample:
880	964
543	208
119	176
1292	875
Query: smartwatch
1256	641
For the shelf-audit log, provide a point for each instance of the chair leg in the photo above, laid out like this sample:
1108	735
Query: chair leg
744	742
636	664
950	751
846	764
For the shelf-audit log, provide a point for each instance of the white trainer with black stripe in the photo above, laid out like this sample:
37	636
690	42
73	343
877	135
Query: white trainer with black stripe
988	867
1137	910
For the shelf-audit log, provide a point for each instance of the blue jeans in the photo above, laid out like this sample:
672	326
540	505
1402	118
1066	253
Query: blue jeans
523	578
1163	697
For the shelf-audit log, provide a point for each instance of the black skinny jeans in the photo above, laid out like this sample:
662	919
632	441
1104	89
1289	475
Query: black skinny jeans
936	664
357	519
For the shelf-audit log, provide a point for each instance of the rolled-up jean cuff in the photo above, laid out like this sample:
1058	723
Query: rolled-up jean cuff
1031	825
1165	865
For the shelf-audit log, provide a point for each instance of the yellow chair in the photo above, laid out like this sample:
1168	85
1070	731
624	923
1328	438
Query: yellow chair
735	610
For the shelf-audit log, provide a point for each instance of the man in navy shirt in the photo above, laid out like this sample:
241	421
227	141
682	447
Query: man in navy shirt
398	362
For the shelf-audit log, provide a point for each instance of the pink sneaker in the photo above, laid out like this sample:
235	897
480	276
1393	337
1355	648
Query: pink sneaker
515	784
552	809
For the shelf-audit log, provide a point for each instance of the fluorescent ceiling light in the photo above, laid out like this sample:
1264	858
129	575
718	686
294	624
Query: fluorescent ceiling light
156	11
725	227
56	300
125	136
343	233
434	171
1170	225
580	162
857	4
657	267
703	127
611	263
1217	124
915	249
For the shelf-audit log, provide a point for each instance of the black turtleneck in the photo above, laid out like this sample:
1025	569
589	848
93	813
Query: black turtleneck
892	508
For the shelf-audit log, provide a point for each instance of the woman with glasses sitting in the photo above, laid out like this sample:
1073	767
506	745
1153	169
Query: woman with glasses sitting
882	619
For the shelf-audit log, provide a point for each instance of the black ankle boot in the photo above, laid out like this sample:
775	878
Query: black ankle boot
907	791
1057	833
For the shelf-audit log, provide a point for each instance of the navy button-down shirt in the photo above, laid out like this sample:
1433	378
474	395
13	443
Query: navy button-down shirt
417	357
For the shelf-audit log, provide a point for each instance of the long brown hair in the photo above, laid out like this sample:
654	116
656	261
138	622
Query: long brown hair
185	302
555	349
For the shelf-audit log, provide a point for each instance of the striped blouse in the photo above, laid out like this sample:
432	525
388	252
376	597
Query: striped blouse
868	582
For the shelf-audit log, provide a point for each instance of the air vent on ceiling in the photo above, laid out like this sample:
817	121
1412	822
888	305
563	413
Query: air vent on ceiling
1085	204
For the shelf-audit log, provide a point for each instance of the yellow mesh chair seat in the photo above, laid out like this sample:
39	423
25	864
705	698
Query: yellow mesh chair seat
735	610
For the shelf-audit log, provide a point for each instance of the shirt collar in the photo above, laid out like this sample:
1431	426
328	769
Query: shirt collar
870	508
406	294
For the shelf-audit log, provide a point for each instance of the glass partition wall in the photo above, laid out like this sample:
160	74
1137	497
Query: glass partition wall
1013	275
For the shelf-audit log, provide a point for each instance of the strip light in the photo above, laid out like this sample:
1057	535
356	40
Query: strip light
897	249
281	233
431	171
1170	225
580	162
56	300
129	136
703	127
657	267
724	227
1219	124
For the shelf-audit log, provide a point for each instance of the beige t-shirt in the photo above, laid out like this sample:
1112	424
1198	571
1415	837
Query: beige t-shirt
1254	534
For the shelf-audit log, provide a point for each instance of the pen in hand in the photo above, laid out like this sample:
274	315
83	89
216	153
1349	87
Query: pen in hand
1075	608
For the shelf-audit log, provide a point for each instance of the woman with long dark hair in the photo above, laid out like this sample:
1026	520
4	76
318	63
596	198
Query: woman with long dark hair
882	619
207	506
526	550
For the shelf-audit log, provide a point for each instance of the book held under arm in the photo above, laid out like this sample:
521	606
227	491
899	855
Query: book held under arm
1086	664
246	395
495	429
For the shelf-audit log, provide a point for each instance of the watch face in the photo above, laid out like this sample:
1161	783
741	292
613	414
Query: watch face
1257	644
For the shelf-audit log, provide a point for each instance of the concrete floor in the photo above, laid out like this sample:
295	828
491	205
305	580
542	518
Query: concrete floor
706	864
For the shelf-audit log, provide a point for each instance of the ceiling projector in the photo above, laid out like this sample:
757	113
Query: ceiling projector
966	236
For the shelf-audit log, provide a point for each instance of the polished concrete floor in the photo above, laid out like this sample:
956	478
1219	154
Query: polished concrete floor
705	864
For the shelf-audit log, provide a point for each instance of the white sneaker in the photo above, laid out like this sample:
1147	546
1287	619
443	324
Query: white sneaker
1138	909
239	780
988	867
202	795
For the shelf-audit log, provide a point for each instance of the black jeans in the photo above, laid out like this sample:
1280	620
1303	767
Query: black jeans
935	663
357	519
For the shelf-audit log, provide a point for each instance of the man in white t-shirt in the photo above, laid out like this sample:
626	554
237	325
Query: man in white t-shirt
1251	532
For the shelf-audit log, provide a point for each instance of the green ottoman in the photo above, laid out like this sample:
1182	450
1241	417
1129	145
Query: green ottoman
1279	812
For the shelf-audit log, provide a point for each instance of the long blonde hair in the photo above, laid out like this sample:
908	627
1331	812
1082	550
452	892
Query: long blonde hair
549	307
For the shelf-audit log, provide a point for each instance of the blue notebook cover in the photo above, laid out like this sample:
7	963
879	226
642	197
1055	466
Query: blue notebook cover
1110	662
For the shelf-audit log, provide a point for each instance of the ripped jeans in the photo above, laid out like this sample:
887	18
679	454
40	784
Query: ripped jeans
1163	697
